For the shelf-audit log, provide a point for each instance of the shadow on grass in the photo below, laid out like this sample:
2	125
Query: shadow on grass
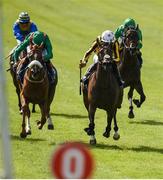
109	147
16	137
146	149
69	116
148	122
136	149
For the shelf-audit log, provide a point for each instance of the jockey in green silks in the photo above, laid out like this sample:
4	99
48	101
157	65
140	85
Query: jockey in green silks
36	39
120	33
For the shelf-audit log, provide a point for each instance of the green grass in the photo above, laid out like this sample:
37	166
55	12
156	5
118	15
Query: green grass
72	25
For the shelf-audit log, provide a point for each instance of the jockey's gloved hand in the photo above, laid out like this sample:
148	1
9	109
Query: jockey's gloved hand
82	63
12	63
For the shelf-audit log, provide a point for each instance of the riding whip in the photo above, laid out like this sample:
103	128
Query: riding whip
80	79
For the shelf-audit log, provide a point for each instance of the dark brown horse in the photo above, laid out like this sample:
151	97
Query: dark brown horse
104	93
130	69
36	89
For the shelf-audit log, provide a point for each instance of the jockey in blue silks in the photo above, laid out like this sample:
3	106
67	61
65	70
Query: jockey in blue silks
23	26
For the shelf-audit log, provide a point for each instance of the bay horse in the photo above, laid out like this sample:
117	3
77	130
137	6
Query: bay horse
130	69
103	92
37	89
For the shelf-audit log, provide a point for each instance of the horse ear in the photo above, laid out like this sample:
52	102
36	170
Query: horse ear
137	27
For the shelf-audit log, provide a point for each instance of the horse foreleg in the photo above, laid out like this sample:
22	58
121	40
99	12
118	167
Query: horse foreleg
25	109
116	135
28	126
90	130
19	101
49	120
85	98
51	94
43	109
130	95
139	89
109	121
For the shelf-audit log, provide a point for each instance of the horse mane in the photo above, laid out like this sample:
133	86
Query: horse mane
35	62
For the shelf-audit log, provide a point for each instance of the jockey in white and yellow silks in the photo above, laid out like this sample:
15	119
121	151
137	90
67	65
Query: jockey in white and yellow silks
106	37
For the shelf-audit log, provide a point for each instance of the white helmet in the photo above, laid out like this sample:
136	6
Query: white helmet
107	36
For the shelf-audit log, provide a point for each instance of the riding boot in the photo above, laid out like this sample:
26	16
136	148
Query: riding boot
21	71
90	70
117	75
51	72
139	55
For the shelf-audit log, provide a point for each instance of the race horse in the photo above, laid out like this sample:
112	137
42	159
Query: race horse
36	89
14	78
130	69
103	92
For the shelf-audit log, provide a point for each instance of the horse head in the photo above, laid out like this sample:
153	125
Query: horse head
36	52
105	56
35	71
131	40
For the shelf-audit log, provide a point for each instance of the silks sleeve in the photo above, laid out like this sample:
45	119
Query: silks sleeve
17	33
48	47
118	32
20	48
116	52
90	50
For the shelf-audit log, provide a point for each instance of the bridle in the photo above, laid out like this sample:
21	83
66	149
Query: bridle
130	40
30	69
105	55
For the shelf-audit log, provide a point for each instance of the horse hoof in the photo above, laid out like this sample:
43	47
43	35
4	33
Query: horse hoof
29	132
136	102
92	142
39	126
50	126
88	131
23	135
138	106
131	115
116	136
21	111
106	134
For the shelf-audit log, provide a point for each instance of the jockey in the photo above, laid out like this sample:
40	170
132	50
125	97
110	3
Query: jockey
36	40
120	33
106	37
23	26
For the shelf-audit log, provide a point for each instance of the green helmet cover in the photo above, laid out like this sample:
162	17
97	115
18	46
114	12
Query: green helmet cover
129	23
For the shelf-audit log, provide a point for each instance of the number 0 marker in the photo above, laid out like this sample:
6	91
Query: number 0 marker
72	161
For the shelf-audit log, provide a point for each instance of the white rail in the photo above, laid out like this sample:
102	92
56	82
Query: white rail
6	149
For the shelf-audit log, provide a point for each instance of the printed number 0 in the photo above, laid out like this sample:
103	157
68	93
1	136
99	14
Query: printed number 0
67	161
